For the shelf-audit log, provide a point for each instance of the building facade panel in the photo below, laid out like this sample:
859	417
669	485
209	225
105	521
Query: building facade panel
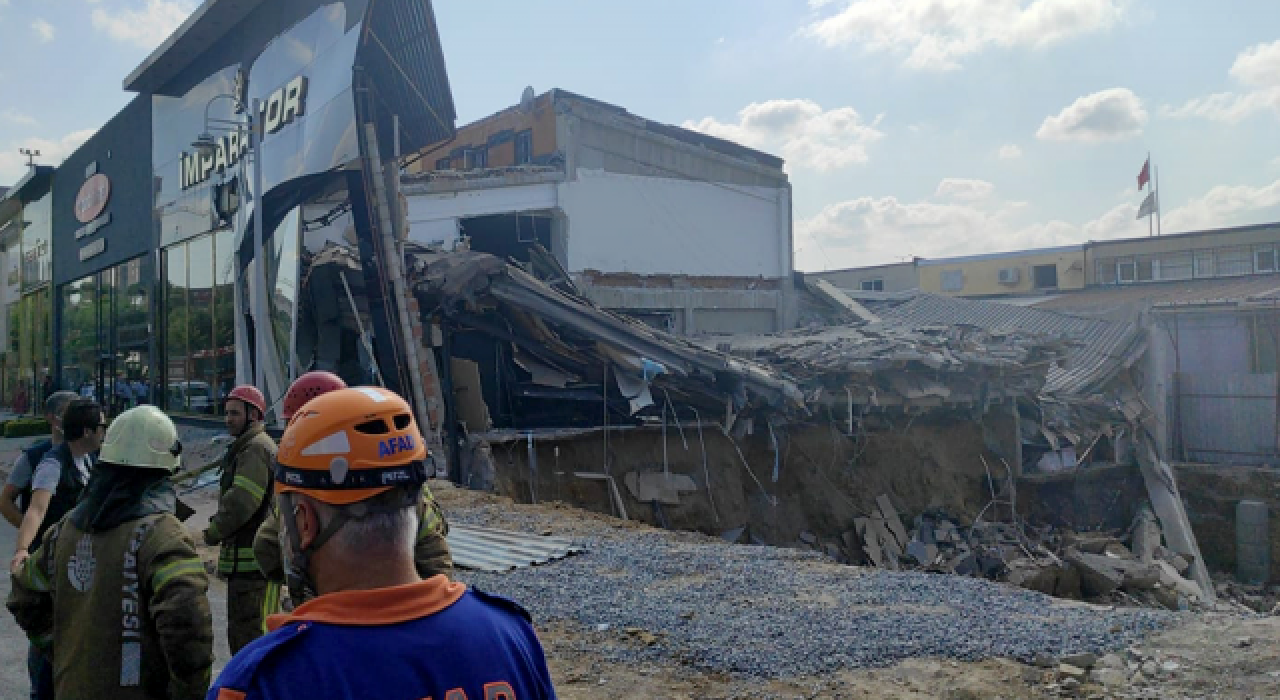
1005	274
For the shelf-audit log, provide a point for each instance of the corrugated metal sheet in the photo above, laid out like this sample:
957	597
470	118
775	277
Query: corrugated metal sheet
1228	418
1103	347
490	549
1220	290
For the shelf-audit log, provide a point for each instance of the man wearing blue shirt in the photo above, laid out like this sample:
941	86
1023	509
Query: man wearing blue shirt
349	472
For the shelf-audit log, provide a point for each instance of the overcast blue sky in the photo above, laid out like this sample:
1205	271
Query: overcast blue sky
910	127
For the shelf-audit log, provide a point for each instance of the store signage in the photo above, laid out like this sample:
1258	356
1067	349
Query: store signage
282	108
93	198
94	249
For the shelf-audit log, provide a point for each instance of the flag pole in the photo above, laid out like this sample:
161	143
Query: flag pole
1151	230
1155	178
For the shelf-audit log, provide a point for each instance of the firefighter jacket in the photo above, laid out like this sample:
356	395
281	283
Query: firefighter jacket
121	601
244	500
432	639
431	553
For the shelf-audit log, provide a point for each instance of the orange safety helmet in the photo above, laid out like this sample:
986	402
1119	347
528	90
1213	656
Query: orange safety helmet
307	387
350	445
251	396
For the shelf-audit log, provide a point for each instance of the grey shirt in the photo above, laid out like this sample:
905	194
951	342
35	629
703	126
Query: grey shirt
48	471
20	477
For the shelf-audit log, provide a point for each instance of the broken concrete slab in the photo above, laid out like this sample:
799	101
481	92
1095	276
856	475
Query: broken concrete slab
1162	489
664	488
923	554
893	520
1145	536
1098	576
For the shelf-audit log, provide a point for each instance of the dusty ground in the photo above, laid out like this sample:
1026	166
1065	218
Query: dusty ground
1214	655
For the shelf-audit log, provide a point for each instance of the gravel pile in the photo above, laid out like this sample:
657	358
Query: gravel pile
771	613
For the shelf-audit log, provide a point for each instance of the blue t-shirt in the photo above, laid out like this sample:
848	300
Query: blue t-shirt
430	640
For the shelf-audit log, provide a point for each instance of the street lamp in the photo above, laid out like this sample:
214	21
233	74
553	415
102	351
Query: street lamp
205	144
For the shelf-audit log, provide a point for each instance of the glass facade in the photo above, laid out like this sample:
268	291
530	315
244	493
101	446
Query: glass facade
28	347
199	323
106	336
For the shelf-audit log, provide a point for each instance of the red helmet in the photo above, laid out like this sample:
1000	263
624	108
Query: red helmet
307	387
251	396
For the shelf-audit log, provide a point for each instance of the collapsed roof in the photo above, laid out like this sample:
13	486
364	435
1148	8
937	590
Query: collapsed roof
555	345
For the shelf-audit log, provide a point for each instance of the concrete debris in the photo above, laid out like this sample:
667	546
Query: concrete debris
1099	566
881	365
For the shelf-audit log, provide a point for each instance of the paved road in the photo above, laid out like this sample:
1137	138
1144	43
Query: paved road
13	643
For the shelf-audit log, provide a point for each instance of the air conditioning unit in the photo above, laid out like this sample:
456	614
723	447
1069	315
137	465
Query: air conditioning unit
1010	275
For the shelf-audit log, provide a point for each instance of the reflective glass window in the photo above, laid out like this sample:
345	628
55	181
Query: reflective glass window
80	335
224	316
177	362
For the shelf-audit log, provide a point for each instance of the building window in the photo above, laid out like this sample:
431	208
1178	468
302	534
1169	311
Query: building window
1204	264
1264	260
199	336
444	164
875	285
1106	271
1146	269
1045	276
1234	261
524	147
1126	271
475	158
1175	267
953	280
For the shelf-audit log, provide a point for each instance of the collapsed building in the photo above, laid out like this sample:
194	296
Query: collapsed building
802	437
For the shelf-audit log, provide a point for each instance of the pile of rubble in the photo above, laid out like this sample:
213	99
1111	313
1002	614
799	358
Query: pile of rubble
880	364
1129	568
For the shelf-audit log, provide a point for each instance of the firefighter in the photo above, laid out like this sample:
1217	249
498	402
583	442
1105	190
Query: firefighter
243	502
431	550
117	591
349	474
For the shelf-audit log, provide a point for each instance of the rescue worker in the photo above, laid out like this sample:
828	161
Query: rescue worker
243	501
431	550
13	505
117	590
349	475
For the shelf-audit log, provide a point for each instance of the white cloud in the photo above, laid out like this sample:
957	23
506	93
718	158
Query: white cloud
144	26
1258	66
1222	204
938	34
43	30
801	131
13	165
964	190
871	230
1109	115
16	117
1010	151
1257	69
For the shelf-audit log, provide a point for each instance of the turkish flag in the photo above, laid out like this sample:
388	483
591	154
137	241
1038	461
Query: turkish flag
1145	176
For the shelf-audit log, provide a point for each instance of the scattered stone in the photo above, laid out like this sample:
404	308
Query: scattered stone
808	538
1150	668
1084	660
602	627
1110	677
1068	671
1170	666
1242	642
1070	683
1110	661
1043	660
